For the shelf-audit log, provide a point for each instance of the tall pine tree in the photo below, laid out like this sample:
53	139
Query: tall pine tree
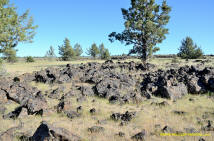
145	23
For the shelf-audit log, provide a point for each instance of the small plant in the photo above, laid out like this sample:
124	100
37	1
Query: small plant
30	59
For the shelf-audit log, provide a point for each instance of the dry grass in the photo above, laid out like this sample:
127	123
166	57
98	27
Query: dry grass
147	115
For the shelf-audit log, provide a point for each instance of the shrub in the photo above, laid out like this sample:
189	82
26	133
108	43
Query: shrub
29	59
189	50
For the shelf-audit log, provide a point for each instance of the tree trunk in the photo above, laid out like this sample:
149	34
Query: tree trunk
144	55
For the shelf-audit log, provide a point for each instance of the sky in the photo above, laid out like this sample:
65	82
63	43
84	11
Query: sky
91	21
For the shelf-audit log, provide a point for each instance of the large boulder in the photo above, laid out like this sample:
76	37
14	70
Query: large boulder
48	132
195	86
173	92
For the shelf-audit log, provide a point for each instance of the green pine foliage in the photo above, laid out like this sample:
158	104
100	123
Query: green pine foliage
66	51
93	51
189	50
10	55
78	50
30	59
145	23
14	28
104	52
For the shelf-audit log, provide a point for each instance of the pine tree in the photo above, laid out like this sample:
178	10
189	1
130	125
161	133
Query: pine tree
50	53
93	50
104	52
14	28
145	23
78	49
189	50
66	51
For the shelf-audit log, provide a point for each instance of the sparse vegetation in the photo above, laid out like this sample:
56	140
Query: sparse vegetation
102	97
30	59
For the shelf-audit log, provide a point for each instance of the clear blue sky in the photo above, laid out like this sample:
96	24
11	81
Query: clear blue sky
89	21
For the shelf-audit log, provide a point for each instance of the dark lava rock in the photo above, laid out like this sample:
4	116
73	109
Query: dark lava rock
127	116
48	132
209	127
55	94
92	111
72	114
139	136
87	91
121	134
174	92
79	109
167	129
96	129
179	112
14	114
201	139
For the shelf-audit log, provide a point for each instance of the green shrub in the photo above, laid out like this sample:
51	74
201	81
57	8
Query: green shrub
189	50
29	59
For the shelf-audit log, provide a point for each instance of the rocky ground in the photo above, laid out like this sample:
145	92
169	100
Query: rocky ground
108	101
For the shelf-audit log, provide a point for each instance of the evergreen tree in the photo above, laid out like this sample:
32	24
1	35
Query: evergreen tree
50	53
189	50
104	53
145	23
66	51
93	51
78	49
14	28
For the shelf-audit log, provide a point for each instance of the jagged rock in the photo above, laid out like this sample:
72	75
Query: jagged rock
173	92
127	116
167	129
96	129
14	114
139	136
179	112
72	114
121	134
48	132
87	91
208	127
195	86
92	111
55	94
